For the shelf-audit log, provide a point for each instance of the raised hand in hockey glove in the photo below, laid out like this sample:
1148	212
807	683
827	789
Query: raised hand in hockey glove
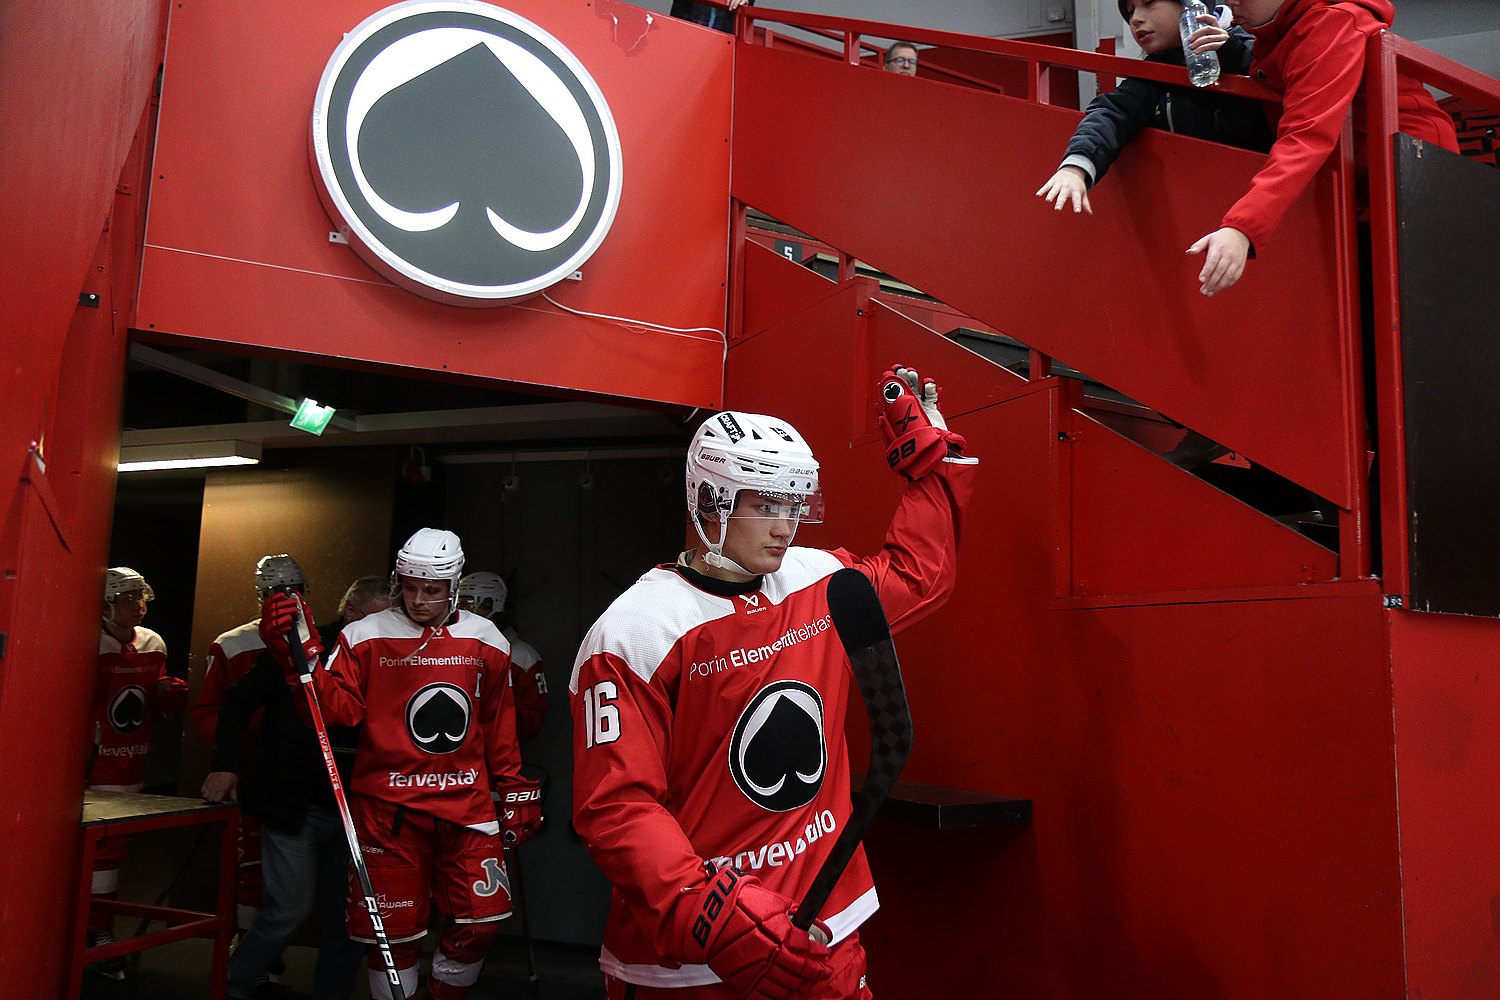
916	436
280	615
744	933
520	803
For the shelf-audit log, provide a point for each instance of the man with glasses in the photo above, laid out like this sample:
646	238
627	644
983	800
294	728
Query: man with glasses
711	773
901	57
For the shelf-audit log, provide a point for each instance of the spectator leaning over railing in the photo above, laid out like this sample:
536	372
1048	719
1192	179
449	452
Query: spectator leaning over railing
1312	52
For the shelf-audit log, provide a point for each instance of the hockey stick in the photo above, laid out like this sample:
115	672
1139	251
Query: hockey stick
294	640
514	862
862	628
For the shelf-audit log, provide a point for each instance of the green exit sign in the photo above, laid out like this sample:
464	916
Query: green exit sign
312	417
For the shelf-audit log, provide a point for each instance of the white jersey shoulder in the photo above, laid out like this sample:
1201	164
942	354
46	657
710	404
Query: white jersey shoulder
243	639
645	622
392	623
471	626
522	653
800	569
145	641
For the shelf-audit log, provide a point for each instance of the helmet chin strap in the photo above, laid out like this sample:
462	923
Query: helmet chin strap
713	553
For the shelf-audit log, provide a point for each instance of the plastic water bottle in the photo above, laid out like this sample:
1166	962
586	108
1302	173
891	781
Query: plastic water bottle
1202	67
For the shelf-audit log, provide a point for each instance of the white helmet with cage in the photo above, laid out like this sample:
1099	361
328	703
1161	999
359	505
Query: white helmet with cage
736	451
484	586
275	572
431	554
122	580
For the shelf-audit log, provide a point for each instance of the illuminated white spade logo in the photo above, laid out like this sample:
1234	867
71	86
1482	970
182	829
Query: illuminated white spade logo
464	152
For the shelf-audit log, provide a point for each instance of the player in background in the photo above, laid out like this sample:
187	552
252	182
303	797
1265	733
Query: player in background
484	594
230	657
711	775
429	684
131	689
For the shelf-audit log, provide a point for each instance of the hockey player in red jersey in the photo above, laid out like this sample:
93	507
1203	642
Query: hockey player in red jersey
484	594
230	657
131	689
709	705
429	684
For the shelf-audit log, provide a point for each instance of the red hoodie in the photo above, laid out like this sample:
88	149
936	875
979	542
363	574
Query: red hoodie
1313	53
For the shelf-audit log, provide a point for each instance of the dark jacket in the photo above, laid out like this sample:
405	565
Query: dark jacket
1113	119
704	14
285	773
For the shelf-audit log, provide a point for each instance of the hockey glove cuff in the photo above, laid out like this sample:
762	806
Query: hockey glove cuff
171	696
744	933
520	803
279	617
916	436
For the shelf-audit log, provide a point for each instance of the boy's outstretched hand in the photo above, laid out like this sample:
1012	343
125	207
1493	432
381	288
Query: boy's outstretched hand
1068	184
1227	250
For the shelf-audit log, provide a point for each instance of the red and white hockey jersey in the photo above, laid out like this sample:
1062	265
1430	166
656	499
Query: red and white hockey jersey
528	681
131	689
710	728
439	726
229	658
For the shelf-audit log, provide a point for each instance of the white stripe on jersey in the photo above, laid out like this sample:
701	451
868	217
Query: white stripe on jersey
644	624
392	623
840	926
244	639
144	640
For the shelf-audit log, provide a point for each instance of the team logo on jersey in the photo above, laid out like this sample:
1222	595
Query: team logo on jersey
437	718
127	709
464	152
777	754
494	879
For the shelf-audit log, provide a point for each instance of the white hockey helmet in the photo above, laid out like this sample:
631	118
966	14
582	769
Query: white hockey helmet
736	451
274	572
122	580
484	586
431	554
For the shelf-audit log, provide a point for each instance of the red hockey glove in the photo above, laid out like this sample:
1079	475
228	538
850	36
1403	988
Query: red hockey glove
520	804
279	616
744	932
171	697
916	436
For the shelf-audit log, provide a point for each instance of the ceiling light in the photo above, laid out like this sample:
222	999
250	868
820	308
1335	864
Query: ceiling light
189	455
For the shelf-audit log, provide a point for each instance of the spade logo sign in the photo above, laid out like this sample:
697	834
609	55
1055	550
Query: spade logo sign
127	709
437	718
777	754
464	152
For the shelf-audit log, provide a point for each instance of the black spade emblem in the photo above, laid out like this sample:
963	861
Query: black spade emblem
777	755
437	718
465	153
127	709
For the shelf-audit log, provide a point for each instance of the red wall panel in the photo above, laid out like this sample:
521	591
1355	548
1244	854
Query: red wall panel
75	81
1447	720
238	249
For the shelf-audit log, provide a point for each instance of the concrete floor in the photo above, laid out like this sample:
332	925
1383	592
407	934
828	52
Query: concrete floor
179	972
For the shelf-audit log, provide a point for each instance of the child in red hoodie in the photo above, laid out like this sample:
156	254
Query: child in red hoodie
1313	53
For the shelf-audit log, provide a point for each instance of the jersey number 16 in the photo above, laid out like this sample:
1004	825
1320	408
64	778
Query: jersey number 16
601	717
